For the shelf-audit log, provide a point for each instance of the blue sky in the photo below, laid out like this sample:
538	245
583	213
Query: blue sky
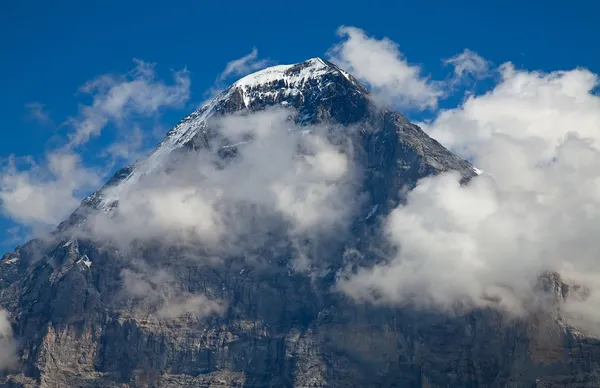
48	51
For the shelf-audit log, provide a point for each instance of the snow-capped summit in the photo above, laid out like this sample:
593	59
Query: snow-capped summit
291	76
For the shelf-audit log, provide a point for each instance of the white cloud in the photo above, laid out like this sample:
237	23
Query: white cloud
536	208
382	66
131	147
43	195
233	206
155	287
242	66
237	67
469	63
198	306
8	347
119	97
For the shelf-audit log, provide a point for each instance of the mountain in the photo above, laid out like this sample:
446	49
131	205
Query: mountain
243	324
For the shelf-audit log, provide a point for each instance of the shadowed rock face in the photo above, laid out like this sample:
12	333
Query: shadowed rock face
278	328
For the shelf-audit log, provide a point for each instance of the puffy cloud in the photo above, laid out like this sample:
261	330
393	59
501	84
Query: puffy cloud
381	64
119	97
468	63
43	195
233	205
535	209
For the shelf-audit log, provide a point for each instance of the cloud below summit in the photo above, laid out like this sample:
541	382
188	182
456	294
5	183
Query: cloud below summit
536	208
233	205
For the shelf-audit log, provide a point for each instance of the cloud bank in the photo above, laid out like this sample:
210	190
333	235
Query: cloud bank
535	208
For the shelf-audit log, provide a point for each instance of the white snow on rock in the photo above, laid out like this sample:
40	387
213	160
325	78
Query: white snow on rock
372	212
85	260
314	68
293	77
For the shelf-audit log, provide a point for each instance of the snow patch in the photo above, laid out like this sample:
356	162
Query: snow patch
68	243
234	145
85	260
313	68
372	212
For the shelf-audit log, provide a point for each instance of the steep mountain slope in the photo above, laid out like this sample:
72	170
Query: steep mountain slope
276	327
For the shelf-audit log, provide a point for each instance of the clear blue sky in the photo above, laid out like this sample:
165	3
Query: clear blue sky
48	49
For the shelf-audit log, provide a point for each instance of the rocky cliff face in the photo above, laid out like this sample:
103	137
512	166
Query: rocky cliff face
271	326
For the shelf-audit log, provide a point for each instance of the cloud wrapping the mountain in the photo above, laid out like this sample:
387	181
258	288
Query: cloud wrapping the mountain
381	64
156	292
231	205
535	208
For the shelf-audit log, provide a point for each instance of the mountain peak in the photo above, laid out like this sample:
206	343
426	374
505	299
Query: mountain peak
294	76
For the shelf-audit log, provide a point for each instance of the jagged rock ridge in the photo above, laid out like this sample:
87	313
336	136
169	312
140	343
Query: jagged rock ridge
280	328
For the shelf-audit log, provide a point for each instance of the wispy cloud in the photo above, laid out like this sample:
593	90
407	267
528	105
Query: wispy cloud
469	64
8	347
37	111
237	67
244	65
157	291
120	97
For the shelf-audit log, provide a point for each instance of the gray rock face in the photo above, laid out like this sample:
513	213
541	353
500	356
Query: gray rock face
279	328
